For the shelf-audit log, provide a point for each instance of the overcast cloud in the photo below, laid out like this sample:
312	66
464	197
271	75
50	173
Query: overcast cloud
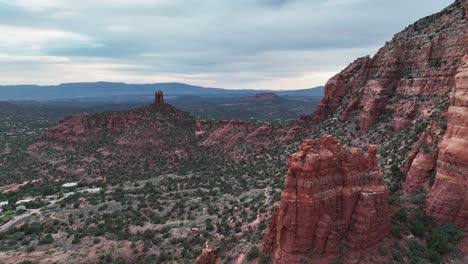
270	44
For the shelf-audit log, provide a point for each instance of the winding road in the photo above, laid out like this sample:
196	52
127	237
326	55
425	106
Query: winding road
17	219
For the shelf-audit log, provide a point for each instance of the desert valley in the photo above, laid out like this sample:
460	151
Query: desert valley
373	171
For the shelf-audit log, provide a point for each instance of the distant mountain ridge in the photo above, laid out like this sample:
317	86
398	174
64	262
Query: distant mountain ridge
108	89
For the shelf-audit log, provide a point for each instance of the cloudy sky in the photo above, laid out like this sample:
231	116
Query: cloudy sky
271	44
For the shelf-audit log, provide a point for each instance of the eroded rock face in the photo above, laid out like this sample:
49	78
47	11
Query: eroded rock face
448	200
209	255
332	196
232	132
349	79
405	111
420	61
422	160
69	129
347	113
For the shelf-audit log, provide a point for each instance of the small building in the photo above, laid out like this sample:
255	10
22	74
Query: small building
3	204
23	201
20	209
70	186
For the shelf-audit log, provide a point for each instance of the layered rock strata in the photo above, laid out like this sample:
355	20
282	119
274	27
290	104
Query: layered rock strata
422	160
419	62
332	196
447	201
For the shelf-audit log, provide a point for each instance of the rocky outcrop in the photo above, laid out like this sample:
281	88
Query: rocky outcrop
158	98
422	159
347	113
209	255
332	196
291	132
420	61
69	129
350	79
232	132
236	139
405	110
448	200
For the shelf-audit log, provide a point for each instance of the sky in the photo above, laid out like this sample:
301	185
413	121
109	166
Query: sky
262	44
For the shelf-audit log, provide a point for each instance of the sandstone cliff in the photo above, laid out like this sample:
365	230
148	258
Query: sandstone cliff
448	200
332	196
420	62
422	159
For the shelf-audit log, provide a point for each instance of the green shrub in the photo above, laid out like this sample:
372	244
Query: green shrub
419	223
397	256
382	251
253	253
418	253
338	261
397	230
76	240
401	215
47	239
264	259
444	238
417	227
394	199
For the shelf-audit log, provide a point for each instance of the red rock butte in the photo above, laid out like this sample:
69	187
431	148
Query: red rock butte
158	98
332	195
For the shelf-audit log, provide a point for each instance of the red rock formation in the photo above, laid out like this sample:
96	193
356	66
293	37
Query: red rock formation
69	129
332	195
209	255
140	134
349	109
405	111
291	133
158	98
341	84
231	132
420	61
448	200
422	159
261	97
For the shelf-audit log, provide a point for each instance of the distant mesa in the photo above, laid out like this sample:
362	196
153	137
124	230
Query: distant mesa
264	97
158	98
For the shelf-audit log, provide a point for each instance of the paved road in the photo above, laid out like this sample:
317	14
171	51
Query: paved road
17	219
